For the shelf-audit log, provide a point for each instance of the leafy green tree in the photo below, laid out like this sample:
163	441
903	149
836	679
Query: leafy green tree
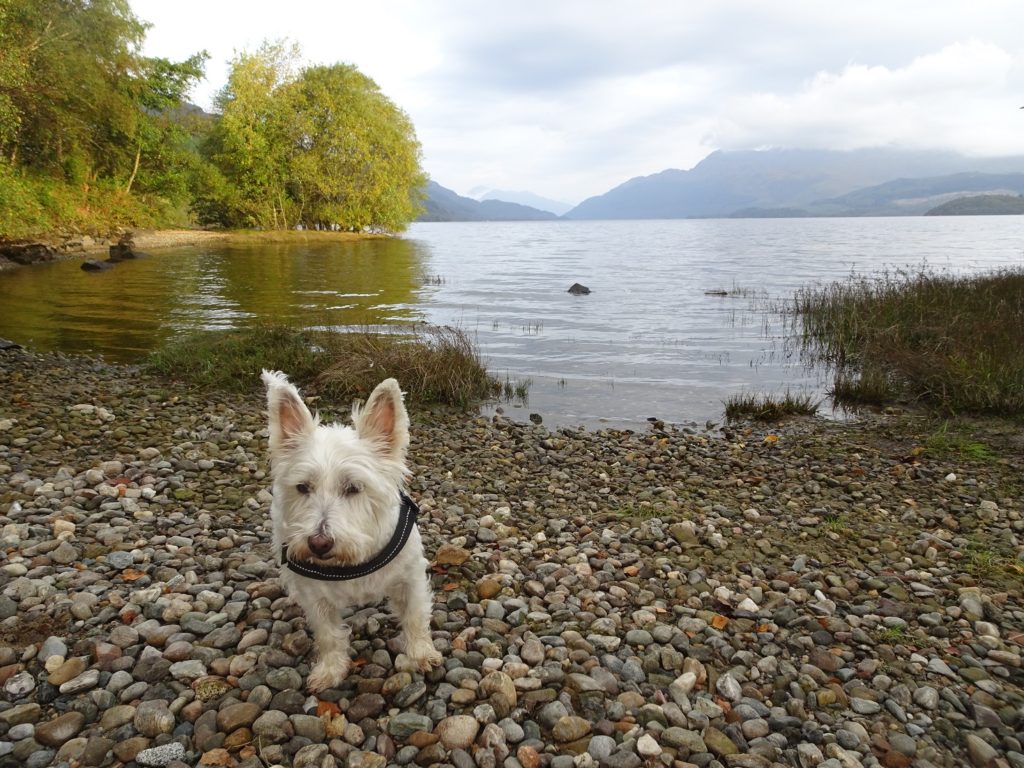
71	59
13	73
320	147
352	155
248	144
165	128
77	98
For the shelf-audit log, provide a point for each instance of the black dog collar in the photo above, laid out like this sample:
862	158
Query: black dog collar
406	522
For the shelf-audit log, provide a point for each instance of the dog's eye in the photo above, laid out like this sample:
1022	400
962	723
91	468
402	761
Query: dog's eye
302	488
351	490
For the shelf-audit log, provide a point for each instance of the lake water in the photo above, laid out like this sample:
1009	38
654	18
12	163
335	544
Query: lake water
649	341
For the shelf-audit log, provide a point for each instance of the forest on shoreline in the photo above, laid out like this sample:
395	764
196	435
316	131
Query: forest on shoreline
97	138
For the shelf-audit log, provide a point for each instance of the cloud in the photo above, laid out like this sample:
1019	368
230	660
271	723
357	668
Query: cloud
962	97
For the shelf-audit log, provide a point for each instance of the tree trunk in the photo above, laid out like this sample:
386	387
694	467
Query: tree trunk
135	169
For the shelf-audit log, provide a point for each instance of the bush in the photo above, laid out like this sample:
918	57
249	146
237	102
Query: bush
33	205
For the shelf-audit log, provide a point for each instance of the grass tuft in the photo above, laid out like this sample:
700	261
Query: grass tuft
952	342
947	441
868	387
433	364
769	407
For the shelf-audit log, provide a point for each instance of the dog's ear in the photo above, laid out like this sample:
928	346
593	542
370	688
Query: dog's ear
383	420
290	419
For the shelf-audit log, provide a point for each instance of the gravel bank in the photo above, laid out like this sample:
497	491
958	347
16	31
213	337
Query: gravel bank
822	595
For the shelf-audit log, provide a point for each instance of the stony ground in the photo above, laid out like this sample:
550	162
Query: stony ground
817	594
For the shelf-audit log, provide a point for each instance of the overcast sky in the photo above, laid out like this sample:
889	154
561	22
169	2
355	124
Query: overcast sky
569	98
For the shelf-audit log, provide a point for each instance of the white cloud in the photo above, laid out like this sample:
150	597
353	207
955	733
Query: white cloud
961	98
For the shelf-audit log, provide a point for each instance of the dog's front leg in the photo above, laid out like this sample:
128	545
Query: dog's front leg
332	645
411	601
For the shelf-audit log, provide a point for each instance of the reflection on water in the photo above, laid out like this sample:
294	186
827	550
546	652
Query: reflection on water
126	311
649	341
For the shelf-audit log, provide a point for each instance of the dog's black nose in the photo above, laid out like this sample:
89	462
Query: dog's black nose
320	544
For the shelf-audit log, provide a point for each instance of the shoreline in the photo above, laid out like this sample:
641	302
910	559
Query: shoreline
812	593
44	249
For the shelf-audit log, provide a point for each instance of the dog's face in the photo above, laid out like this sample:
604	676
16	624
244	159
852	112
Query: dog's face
336	488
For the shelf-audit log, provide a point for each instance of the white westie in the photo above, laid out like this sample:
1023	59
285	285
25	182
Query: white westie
343	526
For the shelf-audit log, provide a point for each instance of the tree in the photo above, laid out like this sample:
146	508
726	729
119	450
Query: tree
352	155
320	147
77	98
248	144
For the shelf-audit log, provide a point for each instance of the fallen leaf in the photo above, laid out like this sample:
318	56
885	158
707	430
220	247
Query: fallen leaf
718	621
327	708
771	438
130	574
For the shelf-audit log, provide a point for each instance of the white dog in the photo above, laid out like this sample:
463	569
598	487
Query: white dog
344	528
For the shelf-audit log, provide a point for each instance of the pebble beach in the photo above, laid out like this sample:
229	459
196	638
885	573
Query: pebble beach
816	593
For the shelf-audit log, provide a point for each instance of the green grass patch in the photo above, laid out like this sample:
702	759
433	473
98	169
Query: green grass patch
640	511
983	563
951	342
892	634
950	441
769	407
433	364
834	523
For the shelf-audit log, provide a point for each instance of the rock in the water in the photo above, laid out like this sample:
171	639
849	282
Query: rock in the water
92	265
578	290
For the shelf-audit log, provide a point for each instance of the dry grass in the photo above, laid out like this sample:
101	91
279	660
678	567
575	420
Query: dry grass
952	342
432	364
769	407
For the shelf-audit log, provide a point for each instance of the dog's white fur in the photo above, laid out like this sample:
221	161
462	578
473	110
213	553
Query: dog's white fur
344	483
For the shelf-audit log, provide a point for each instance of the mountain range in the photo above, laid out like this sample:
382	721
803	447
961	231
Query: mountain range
523	198
774	183
442	204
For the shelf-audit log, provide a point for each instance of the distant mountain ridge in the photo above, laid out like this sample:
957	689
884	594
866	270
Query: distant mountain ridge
914	197
523	198
796	182
442	204
980	205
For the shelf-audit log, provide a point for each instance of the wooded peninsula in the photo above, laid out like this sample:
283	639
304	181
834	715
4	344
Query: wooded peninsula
96	138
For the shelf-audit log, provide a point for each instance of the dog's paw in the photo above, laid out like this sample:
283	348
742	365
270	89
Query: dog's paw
420	656
328	673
